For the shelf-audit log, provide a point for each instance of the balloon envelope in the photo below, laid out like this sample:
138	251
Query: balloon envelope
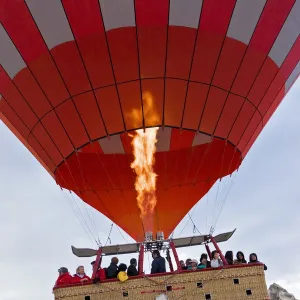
77	76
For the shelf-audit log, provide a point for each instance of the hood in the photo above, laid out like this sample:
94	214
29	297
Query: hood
251	260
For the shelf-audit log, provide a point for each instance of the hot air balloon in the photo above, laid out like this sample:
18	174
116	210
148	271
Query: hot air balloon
78	78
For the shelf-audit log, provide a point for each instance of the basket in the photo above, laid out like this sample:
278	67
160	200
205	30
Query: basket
234	283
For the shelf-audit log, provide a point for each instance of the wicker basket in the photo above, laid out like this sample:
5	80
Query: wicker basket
220	284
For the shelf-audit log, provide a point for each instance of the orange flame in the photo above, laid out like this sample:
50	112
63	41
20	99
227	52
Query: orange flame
144	148
150	114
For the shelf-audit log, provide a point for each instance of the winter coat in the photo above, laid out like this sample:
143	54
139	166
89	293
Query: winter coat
216	263
122	276
239	261
112	271
201	266
132	271
64	279
100	275
158	265
78	279
251	261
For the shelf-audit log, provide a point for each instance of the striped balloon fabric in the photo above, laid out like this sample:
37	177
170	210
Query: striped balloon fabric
77	76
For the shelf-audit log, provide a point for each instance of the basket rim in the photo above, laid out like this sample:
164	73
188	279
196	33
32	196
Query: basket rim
249	265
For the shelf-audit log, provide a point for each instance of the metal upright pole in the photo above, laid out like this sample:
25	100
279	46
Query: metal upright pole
170	261
141	260
208	251
172	246
219	250
97	264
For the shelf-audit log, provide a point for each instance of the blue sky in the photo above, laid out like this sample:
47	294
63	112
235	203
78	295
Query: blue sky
38	223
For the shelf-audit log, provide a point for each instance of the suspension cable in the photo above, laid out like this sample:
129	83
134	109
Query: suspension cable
219	200
206	213
108	237
219	181
77	214
126	241
189	219
83	218
194	181
223	203
195	227
77	188
86	207
110	179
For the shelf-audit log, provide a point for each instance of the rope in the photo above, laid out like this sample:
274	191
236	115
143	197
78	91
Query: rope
220	201
171	235
222	204
206	214
78	190
194	182
83	218
202	160
111	181
126	241
219	183
108	238
188	221
86	209
78	216
94	222
110	216
195	227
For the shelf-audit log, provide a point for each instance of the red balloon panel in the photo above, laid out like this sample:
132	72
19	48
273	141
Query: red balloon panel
184	175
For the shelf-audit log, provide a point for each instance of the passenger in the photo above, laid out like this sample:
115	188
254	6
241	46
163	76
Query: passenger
229	257
253	259
132	271
112	270
240	258
187	263
204	255
122	275
80	276
194	264
100	275
64	277
203	263
182	265
216	261
158	263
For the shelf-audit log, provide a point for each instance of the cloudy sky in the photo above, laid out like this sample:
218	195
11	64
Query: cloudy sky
39	222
